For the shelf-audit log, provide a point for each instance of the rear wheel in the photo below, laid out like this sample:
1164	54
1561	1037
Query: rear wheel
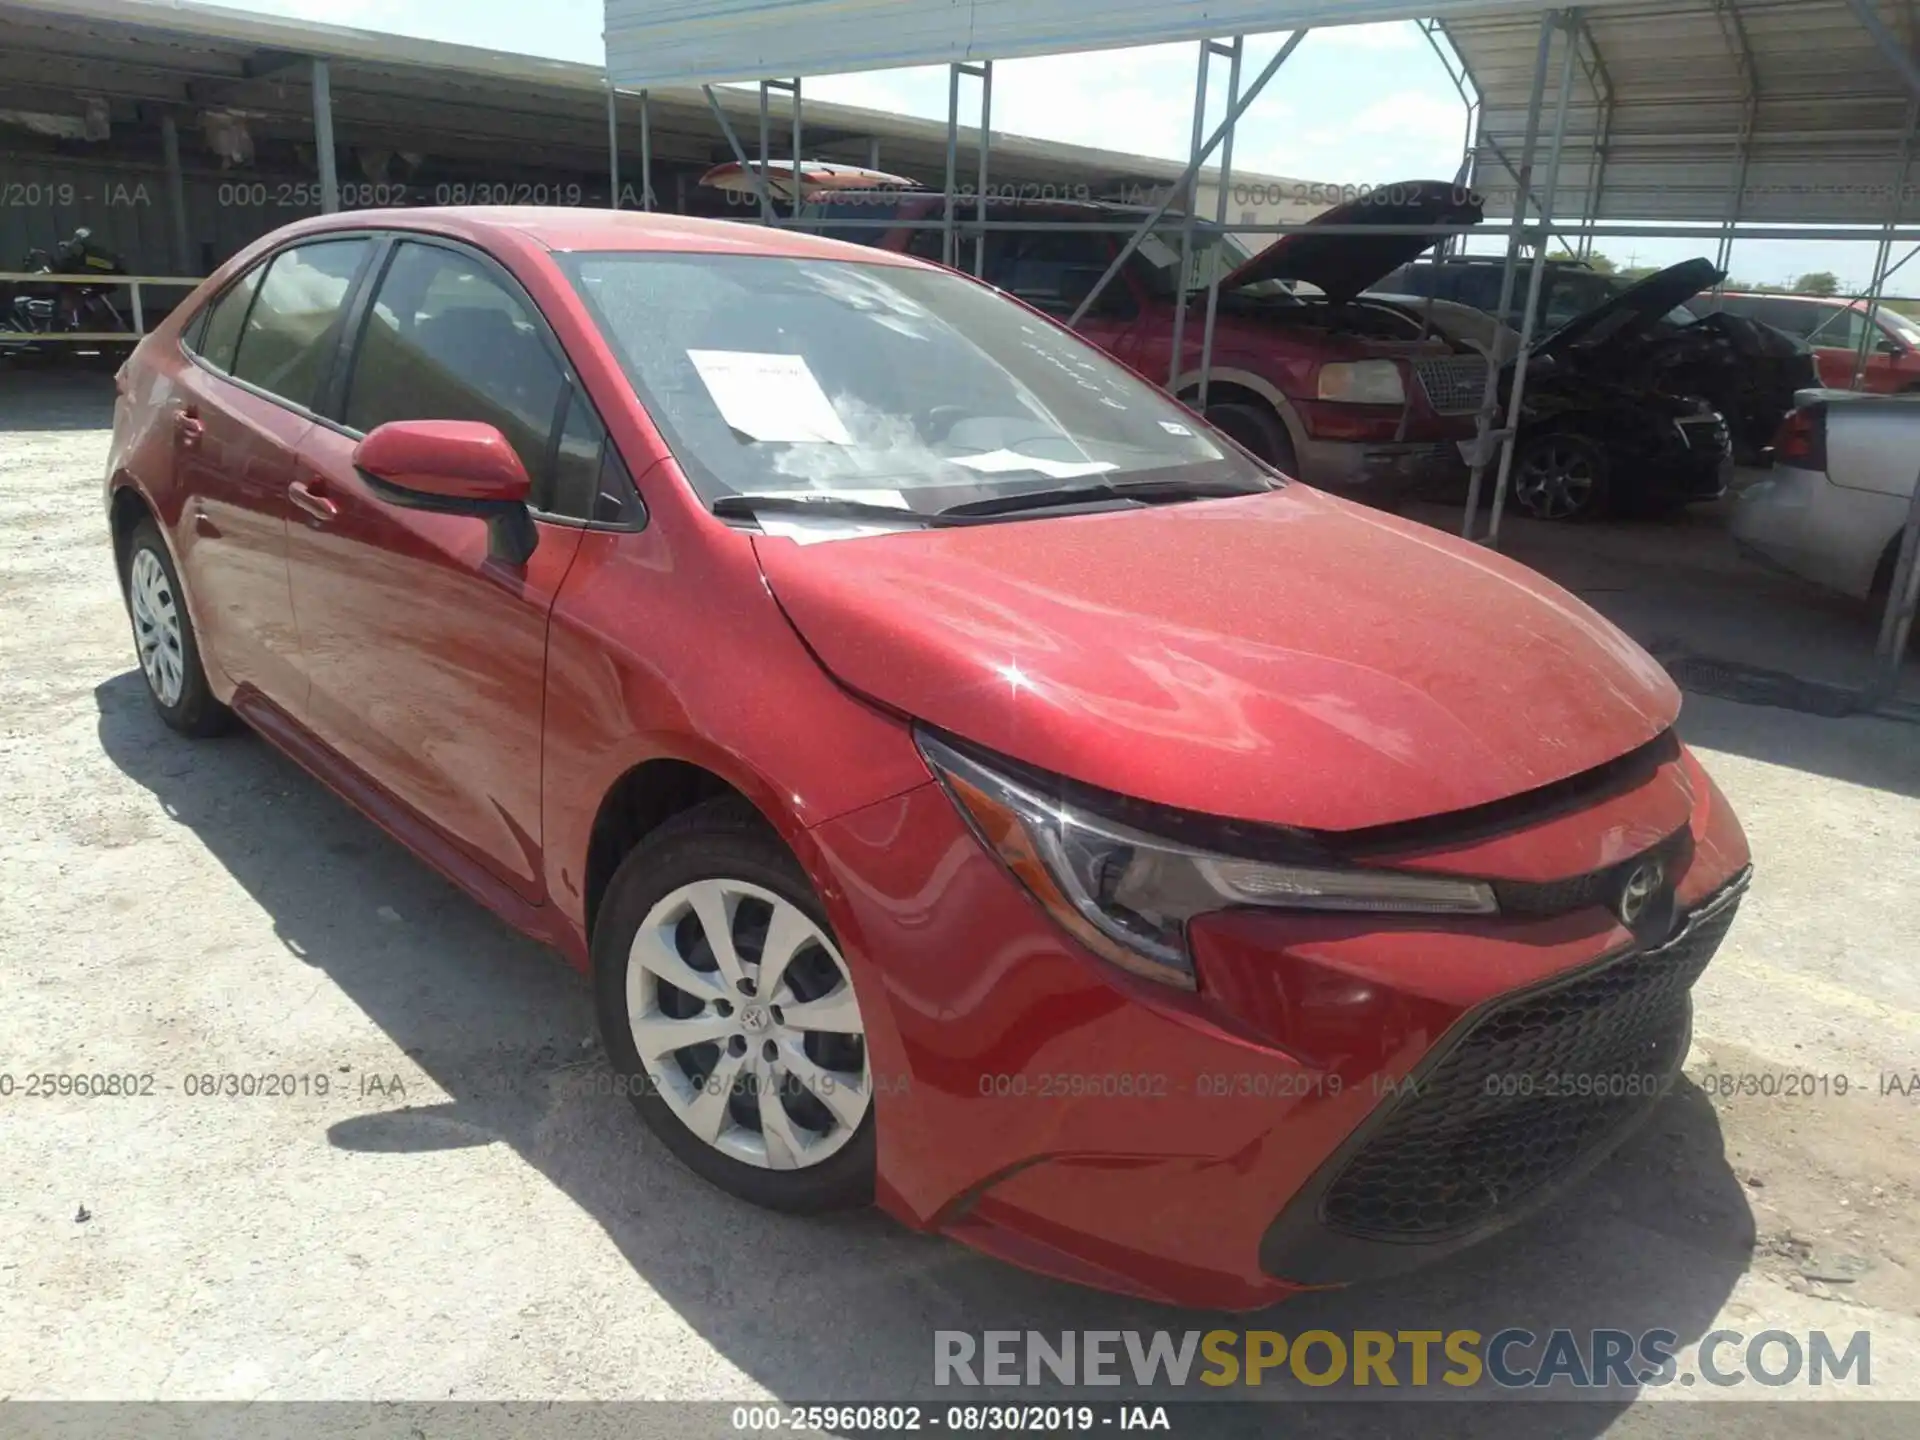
1560	476
730	1013
164	641
1259	430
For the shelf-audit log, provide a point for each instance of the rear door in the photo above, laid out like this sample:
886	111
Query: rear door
239	416
425	656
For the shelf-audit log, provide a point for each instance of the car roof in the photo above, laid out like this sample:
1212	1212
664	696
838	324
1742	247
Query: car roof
1835	301
566	228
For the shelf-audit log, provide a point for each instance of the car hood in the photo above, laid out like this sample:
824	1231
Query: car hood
1629	313
1284	659
1341	266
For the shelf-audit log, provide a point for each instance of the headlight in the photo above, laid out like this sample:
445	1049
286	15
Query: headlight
1363	382
1127	896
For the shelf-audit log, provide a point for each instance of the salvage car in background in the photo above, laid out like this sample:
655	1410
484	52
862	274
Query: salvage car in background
1348	394
1834	328
971	782
1570	288
1630	412
1834	505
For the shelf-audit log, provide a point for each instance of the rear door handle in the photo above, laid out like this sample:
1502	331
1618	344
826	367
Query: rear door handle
311	501
189	427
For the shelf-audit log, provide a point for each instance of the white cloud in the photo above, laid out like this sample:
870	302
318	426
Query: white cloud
1411	112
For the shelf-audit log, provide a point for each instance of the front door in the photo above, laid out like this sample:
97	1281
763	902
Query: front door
425	657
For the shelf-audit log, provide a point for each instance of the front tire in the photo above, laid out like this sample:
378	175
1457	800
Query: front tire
730	1014
1258	430
1561	476
163	639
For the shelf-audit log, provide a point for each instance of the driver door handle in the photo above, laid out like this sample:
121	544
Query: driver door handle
310	500
189	427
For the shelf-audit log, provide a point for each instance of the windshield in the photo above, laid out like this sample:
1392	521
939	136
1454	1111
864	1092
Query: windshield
1900	325
884	383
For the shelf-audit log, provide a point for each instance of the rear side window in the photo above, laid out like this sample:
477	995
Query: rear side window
221	334
286	341
446	340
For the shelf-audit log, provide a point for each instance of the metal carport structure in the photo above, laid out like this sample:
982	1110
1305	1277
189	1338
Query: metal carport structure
1715	119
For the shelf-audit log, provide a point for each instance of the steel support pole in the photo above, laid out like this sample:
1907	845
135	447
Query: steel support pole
1145	227
1883	254
323	138
176	194
1234	59
758	176
613	144
799	190
1737	202
1896	627
1484	432
1516	401
986	151
953	162
646	152
766	154
1186	220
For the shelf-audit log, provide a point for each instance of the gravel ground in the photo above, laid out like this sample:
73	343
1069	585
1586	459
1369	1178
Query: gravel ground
465	1213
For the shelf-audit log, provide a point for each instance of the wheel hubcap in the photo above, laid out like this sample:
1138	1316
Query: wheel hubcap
744	1016
1555	481
156	627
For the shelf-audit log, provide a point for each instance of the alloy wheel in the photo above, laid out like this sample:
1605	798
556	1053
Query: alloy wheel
156	627
1557	481
744	1015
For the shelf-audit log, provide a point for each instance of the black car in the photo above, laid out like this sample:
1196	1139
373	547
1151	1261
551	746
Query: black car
1570	288
1628	411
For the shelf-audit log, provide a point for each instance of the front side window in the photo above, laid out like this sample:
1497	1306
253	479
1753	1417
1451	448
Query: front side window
445	340
285	344
771	375
1839	329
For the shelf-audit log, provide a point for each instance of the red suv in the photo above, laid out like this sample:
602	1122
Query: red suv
1358	396
971	783
1835	327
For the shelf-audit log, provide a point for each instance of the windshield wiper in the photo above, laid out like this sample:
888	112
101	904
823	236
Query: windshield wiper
831	507
1138	492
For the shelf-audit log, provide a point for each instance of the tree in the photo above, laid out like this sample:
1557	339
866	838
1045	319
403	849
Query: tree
1595	261
1820	282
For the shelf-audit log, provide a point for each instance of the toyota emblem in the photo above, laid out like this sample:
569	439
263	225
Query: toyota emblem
1640	891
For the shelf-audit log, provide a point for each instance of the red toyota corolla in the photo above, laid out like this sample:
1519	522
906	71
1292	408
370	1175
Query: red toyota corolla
971	783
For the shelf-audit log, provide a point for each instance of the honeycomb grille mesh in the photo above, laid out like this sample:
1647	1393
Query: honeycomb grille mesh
1454	386
1507	1109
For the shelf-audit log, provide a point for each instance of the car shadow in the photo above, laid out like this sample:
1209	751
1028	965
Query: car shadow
1654	1240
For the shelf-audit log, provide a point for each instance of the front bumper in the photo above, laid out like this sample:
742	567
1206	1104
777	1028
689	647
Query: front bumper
1042	1106
1382	475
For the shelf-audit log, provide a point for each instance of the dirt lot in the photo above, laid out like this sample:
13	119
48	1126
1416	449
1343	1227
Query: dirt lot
465	1214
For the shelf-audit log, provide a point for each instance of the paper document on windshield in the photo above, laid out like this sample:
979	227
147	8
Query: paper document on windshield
770	397
1003	462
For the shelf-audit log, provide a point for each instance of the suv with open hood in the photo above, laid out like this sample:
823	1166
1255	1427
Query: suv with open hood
1349	394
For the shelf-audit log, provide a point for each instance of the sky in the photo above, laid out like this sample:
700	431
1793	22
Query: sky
1356	104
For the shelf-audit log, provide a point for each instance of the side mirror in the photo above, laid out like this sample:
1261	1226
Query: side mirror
456	467
1890	346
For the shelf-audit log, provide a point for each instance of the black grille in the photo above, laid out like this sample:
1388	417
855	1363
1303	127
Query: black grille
1535	1086
1597	887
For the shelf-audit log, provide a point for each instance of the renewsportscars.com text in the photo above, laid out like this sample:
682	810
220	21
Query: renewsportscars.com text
1509	1359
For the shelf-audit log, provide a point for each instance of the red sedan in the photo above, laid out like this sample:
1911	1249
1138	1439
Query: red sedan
972	784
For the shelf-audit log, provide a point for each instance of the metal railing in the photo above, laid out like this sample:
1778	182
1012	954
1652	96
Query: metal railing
131	283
